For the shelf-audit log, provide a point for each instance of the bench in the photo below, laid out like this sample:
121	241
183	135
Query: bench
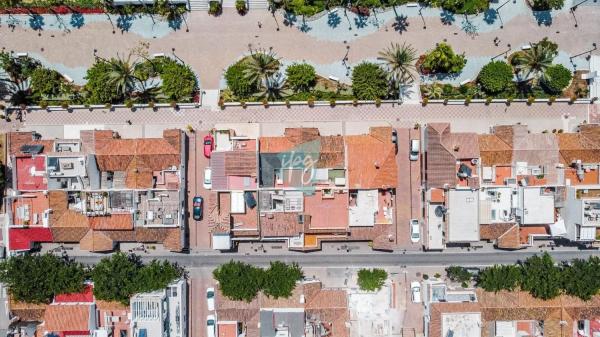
67	78
412	4
21	54
525	47
468	80
333	78
158	55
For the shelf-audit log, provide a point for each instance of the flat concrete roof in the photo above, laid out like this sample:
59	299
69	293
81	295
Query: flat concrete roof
463	215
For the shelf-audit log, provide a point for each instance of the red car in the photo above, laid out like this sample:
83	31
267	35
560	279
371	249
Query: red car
209	145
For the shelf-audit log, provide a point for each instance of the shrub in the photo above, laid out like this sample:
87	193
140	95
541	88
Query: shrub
43	104
371	279
301	76
369	81
556	78
214	8
442	59
45	83
99	89
280	279
237	81
178	80
240	6
495	76
458	274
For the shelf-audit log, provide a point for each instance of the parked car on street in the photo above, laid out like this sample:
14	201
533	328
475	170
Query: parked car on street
207	178
198	204
395	139
415	231
210	298
210	326
415	289
209	145
413	155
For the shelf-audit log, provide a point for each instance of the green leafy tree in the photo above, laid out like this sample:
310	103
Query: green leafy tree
543	5
178	81
38	278
581	278
541	277
458	274
237	81
158	275
280	279
46	83
98	89
260	66
371	279
369	81
301	76
533	62
499	277
495	76
556	78
238	280
117	277
442	59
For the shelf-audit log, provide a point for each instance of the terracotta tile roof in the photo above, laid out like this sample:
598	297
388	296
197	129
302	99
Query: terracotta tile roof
493	231
138	158
240	163
115	221
444	149
437	195
59	318
219	211
329	148
66	225
110	305
510	239
96	241
584	146
174	240
17	139
27	312
494	151
280	224
121	236
371	160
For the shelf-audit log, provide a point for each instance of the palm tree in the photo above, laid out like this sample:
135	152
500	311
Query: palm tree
434	91
261	66
400	63
275	87
16	80
123	76
532	63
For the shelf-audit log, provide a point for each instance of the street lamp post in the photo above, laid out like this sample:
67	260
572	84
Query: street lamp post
99	57
177	57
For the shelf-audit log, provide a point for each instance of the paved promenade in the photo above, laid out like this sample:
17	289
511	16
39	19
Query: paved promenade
213	43
474	118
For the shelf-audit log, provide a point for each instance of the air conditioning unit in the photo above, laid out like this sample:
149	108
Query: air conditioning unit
536	171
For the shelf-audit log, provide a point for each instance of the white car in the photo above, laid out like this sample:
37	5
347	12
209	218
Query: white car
415	148
207	178
415	231
415	289
210	298
210	326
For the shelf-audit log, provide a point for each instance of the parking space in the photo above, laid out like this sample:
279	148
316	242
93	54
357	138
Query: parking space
408	190
199	236
198	306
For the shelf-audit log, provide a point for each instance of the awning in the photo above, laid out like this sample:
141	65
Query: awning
221	242
587	233
558	228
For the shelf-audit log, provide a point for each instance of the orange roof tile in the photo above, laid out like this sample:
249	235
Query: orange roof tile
437	195
115	221
96	241
371	161
59	318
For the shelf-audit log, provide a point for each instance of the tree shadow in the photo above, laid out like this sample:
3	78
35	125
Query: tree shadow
36	22
470	28
77	20
543	18
305	28
400	23
289	18
175	23
447	17
124	22
361	21
490	16
333	20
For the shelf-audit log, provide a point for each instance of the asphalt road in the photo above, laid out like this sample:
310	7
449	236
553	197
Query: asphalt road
363	260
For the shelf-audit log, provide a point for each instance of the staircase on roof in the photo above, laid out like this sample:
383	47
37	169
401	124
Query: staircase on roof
199	5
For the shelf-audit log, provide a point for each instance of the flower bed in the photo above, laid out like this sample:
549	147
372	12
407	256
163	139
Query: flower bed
53	10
